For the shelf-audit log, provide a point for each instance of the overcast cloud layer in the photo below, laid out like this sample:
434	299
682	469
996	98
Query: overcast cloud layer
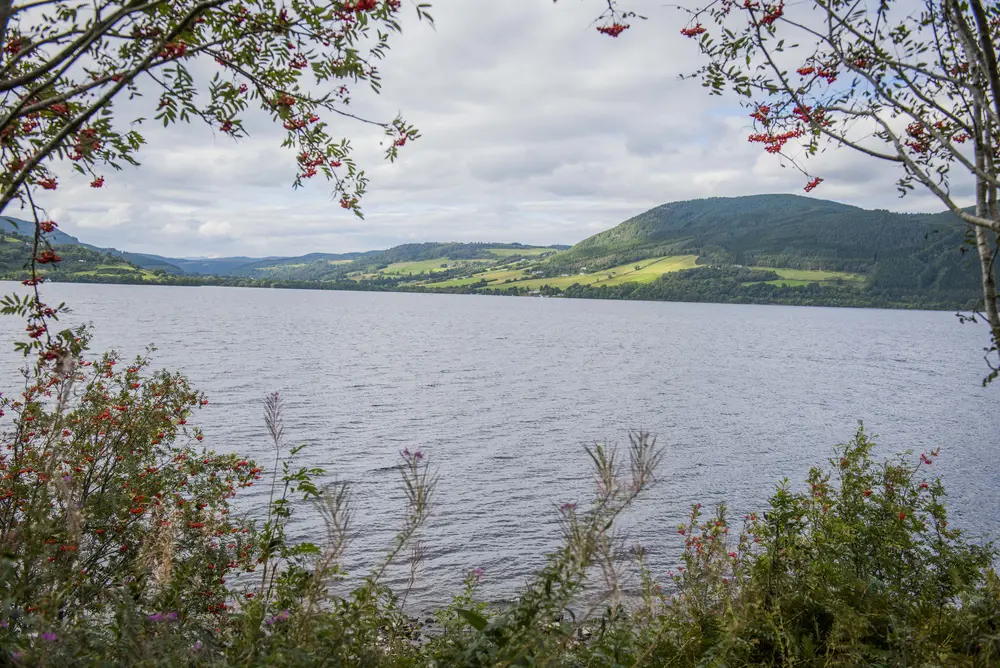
535	129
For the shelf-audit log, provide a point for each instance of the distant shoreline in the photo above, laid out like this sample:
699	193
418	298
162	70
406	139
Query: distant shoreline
793	296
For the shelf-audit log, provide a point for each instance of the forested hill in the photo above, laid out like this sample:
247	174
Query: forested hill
904	253
768	249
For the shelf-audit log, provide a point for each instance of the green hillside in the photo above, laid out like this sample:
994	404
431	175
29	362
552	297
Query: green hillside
408	262
763	249
25	228
898	254
78	263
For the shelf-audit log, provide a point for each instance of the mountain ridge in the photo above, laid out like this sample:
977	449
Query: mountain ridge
769	248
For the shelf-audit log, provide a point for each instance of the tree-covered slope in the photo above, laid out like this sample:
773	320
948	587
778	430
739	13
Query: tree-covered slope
899	253
78	263
26	228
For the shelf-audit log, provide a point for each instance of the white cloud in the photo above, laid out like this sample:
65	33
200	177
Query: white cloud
214	228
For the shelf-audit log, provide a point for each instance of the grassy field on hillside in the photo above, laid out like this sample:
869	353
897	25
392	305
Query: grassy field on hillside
273	268
647	271
422	266
495	277
798	277
526	252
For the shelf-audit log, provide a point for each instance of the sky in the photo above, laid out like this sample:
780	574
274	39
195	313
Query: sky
535	129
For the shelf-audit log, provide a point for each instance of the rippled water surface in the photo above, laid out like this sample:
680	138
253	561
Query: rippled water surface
503	394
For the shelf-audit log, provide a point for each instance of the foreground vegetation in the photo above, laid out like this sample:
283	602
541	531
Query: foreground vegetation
121	546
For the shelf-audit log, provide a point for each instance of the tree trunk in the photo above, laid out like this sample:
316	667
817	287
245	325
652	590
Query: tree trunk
986	243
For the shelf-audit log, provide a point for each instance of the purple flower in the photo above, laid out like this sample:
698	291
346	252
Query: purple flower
567	507
280	617
16	656
155	617
406	453
418	455
48	635
171	616
3	624
196	646
478	573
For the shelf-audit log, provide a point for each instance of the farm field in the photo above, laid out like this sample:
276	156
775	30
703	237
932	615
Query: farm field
648	271
116	269
526	252
799	277
812	275
496	276
422	266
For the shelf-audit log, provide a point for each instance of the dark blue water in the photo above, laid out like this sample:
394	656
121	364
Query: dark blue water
503	394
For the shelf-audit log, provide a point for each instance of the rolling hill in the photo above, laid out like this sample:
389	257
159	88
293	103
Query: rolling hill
757	249
26	228
897	253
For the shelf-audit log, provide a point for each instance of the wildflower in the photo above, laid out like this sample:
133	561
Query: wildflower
280	617
567	507
49	636
155	617
478	573
196	646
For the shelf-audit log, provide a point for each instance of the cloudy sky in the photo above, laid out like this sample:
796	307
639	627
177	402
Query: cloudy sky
535	129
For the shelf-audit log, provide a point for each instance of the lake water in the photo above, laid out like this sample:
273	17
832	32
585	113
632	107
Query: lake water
503	393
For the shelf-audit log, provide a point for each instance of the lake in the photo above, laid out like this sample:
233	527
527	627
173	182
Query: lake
503	393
